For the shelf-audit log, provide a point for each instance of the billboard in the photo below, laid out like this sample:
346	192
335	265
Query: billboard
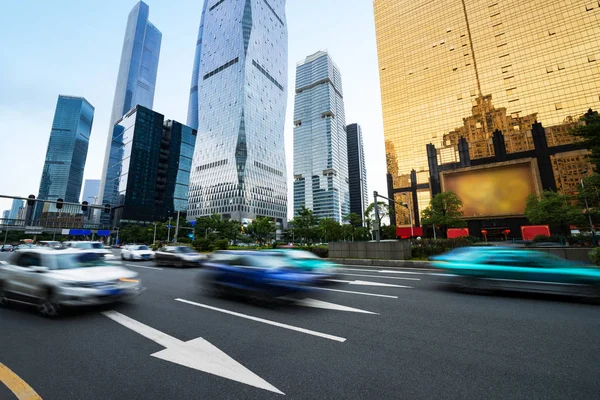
493	190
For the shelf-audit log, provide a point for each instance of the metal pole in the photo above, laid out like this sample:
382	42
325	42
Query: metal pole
154	241
176	228
434	234
6	234
587	208
169	232
377	221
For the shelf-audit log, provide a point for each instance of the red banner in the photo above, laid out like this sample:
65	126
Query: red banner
457	232
531	231
405	232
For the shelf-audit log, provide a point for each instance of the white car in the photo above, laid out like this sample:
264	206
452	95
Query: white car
51	279
137	252
93	247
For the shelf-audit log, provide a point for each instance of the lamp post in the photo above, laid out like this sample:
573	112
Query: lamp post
169	231
154	241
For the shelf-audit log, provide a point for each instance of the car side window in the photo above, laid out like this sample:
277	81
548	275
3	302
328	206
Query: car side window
28	260
508	260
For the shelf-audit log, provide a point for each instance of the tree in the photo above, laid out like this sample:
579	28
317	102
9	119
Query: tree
445	210
329	230
553	208
589	131
304	225
385	210
262	229
354	220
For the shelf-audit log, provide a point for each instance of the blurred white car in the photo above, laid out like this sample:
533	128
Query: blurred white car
94	247
137	252
51	279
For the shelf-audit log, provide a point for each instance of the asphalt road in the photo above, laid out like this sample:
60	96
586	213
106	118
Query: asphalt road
406	341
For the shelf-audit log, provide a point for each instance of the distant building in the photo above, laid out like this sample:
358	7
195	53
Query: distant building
136	80
62	175
238	101
5	215
320	142
357	171
149	170
91	189
22	213
14	210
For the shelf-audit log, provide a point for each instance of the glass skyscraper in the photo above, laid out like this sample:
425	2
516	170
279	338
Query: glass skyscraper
320	142
240	86
357	171
91	188
136	80
464	68
62	175
14	210
149	168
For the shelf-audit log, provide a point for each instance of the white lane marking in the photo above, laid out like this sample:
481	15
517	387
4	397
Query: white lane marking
266	321
143	266
361	293
387	271
384	277
330	306
197	354
369	283
3	263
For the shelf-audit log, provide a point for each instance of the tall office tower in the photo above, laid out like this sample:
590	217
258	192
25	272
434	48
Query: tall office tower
192	118
239	168
91	188
67	152
14	210
149	168
357	171
320	142
136	80
465	68
5	219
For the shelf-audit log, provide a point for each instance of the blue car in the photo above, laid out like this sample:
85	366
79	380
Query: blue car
256	275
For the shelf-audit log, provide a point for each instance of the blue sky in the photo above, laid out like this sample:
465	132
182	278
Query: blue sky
73	47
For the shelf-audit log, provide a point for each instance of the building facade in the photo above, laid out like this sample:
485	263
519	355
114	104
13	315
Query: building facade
320	141
149	167
66	155
240	85
5	219
91	189
357	171
466	68
138	68
14	210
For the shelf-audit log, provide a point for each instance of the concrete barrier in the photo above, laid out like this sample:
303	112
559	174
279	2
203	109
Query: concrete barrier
385	250
581	254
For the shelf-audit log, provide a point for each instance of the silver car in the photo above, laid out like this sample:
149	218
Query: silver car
50	279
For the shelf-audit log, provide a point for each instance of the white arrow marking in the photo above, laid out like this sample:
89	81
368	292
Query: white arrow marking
197	354
361	293
266	321
385	277
330	306
369	283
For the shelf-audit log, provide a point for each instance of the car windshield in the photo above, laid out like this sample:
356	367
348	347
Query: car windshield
89	245
83	260
141	248
266	261
301	255
185	250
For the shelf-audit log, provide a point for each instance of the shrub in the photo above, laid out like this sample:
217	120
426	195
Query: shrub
321	251
595	255
202	244
546	239
580	240
426	248
222	244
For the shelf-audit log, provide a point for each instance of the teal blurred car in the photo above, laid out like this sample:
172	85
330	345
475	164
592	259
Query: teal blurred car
309	262
499	268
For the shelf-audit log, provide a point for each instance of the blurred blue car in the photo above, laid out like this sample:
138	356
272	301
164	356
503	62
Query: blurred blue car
256	275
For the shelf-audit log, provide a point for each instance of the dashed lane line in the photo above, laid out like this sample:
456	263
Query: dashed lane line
18	386
359	293
143	266
385	277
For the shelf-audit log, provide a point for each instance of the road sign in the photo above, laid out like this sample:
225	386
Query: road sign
169	226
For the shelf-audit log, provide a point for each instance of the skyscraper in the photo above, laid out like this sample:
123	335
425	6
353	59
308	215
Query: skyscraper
136	80
91	188
240	74
14	210
150	161
357	171
464	68
320	142
192	118
5	219
67	152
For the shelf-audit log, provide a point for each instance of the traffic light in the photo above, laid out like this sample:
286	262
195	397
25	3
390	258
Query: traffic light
84	206
31	200
59	204
107	208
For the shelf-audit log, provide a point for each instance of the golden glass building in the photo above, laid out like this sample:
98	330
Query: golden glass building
464	68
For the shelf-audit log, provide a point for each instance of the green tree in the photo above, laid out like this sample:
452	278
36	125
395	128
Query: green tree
445	210
329	230
388	232
262	229
385	211
589	131
553	209
304	225
354	220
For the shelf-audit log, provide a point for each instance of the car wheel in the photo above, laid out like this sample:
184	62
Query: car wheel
48	306
3	296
